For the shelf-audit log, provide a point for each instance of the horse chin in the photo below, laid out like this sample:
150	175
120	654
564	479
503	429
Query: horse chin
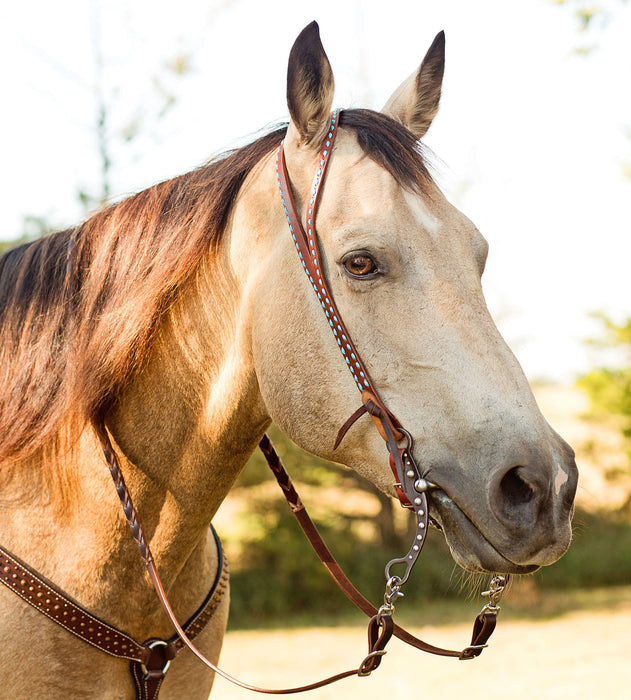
469	547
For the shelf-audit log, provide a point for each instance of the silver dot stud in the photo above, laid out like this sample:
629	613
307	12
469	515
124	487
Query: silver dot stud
421	485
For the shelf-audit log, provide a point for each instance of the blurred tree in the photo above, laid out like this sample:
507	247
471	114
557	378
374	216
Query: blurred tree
609	386
126	116
591	16
109	137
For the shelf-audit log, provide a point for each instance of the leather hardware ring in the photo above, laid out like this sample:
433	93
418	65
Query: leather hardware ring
154	671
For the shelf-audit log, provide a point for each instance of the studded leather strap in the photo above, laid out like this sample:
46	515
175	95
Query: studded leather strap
306	243
150	659
401	460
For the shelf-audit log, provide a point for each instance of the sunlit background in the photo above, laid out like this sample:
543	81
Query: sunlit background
531	140
101	98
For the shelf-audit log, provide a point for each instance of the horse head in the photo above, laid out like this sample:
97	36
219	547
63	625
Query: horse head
404	267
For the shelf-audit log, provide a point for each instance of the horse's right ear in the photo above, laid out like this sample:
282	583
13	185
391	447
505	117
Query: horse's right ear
310	87
415	102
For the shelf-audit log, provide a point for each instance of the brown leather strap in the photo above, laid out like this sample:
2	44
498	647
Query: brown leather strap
376	649
50	601
148	660
305	240
148	676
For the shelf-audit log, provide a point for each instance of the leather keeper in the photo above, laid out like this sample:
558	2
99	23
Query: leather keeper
369	398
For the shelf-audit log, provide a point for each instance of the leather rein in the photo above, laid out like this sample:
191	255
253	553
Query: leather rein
150	661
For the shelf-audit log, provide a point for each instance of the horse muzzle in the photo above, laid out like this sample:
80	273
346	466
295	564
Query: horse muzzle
526	523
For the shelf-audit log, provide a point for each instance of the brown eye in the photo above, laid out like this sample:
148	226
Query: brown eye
360	265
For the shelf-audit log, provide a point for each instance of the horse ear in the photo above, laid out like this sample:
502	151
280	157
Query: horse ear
310	87
415	102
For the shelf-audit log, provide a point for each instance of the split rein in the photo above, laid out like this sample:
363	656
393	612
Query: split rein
410	486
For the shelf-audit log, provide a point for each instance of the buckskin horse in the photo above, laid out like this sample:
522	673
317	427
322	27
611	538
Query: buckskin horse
170	328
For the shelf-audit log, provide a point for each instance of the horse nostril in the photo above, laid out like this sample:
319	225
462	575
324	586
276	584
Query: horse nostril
516	491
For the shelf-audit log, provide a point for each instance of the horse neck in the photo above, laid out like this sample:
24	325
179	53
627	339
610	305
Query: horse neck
189	421
183	429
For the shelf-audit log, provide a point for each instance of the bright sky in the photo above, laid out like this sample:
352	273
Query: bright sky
532	138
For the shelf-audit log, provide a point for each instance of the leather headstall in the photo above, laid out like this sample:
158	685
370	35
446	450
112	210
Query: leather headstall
411	489
410	486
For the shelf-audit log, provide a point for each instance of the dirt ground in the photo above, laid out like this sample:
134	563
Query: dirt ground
582	655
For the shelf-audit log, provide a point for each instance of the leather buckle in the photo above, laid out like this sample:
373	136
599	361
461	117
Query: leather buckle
468	653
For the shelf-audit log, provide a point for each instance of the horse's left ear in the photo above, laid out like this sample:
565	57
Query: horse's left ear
310	87
415	102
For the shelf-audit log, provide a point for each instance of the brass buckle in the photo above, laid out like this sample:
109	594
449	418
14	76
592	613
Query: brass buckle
467	653
363	671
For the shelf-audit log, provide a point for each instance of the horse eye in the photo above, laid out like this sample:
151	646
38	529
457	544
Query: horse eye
360	265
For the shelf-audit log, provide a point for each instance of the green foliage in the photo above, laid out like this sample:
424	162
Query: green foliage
276	575
599	554
590	17
609	387
277	579
280	577
280	580
308	468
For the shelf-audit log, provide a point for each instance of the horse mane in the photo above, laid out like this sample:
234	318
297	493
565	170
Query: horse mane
79	308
